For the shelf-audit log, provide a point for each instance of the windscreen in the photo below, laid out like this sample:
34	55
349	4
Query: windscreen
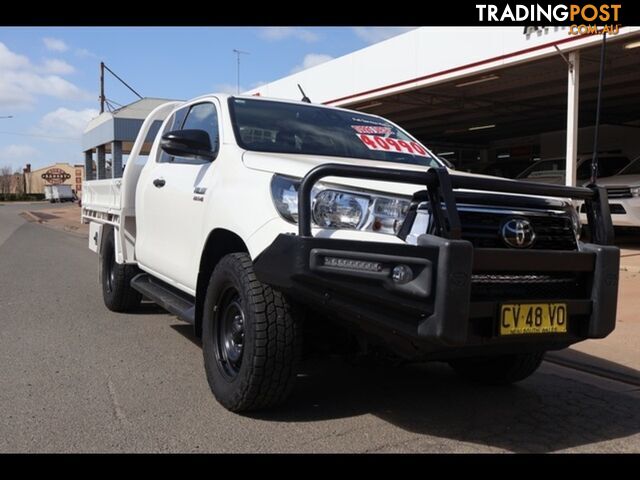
270	126
607	167
543	168
632	169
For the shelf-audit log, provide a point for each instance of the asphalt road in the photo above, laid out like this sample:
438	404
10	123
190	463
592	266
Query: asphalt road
78	378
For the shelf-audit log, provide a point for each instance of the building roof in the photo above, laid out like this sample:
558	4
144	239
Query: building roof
122	124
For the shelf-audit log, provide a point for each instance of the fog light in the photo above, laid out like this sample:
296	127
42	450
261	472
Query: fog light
402	274
352	264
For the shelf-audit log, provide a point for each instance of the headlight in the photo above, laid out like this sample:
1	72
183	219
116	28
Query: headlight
635	191
575	220
284	192
389	214
338	207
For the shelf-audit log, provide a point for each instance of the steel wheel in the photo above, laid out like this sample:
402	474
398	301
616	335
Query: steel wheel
115	279
111	271
250	340
229	330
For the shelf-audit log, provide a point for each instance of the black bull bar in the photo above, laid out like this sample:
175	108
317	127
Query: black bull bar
440	185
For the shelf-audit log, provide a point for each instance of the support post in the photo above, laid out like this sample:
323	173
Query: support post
116	159
88	165
573	102
101	160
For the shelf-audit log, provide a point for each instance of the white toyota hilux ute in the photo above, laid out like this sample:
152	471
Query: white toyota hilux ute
264	221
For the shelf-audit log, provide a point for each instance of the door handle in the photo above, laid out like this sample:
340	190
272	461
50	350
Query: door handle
159	182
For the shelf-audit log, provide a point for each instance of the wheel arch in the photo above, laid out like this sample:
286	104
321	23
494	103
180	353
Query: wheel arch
220	242
106	231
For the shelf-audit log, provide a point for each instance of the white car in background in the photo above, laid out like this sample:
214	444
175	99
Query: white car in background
552	170
623	190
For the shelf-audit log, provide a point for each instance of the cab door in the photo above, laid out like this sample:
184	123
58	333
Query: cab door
170	206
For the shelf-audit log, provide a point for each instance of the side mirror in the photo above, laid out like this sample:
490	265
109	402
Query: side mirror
189	144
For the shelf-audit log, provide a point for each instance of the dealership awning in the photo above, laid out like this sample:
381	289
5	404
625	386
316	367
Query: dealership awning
522	100
518	100
477	87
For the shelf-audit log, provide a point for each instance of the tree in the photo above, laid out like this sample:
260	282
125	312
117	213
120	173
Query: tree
6	172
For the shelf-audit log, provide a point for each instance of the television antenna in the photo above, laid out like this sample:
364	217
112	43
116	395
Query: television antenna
238	53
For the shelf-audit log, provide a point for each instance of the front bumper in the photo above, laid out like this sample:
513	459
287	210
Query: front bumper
448	306
444	310
625	212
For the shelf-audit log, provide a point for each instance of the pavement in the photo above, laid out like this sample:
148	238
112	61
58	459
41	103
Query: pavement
618	355
630	259
79	378
62	216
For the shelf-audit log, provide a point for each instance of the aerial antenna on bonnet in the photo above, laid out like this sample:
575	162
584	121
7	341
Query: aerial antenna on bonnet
594	158
304	96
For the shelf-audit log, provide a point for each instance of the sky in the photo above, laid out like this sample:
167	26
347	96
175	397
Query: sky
49	77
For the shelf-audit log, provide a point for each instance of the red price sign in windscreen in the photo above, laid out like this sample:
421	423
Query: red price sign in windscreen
375	142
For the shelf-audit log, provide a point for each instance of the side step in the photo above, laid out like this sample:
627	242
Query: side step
171	299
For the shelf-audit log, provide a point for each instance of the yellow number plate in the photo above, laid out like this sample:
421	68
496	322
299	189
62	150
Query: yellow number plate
525	318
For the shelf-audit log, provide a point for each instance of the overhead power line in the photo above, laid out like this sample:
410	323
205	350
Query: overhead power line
23	134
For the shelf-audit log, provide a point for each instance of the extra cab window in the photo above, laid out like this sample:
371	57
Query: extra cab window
203	117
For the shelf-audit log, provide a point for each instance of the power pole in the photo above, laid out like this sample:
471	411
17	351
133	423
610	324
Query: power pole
238	53
102	97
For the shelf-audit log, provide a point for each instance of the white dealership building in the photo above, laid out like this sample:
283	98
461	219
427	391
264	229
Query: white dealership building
492	99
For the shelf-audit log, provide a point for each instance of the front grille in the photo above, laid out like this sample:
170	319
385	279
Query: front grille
483	278
482	229
490	286
619	192
614	208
